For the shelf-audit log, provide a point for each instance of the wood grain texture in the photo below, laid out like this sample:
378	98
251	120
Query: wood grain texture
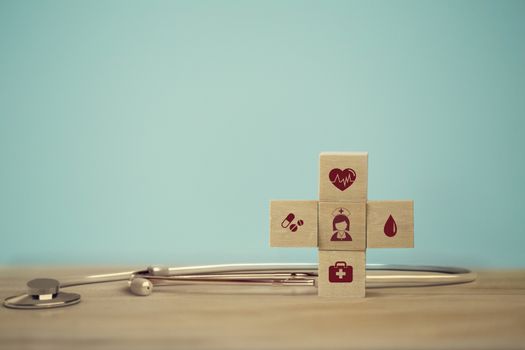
378	212
301	231
358	190
356	214
487	314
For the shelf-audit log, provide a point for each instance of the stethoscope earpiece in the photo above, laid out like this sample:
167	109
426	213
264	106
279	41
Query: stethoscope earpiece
141	286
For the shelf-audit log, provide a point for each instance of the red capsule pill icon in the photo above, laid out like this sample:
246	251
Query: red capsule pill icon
287	220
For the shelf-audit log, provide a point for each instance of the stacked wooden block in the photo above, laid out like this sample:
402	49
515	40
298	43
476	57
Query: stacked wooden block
342	224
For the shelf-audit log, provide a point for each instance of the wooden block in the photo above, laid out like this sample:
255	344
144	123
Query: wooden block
342	226
293	223
343	177
341	273
390	224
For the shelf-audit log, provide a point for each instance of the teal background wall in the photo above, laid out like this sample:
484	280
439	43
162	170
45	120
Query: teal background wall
138	132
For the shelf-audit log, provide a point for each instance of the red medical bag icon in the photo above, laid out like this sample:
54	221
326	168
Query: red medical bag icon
340	273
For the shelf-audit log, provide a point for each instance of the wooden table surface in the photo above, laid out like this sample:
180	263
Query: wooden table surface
486	314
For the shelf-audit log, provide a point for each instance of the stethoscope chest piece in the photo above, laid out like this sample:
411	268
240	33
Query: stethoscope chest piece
43	293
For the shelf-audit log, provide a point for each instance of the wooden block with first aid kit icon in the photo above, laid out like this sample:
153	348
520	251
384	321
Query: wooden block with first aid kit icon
343	176
341	274
390	224
342	226
293	223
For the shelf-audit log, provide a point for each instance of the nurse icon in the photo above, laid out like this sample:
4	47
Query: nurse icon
341	225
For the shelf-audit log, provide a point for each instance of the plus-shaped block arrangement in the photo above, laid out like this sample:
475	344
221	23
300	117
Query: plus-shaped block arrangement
342	224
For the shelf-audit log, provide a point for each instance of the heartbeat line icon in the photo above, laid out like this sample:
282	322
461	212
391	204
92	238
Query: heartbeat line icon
345	180
342	179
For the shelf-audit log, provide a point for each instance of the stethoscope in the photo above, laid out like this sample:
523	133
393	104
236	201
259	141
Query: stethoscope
45	293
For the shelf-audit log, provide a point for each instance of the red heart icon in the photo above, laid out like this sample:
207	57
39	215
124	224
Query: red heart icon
342	179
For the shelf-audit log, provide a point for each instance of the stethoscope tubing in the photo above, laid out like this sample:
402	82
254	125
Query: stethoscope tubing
45	293
378	276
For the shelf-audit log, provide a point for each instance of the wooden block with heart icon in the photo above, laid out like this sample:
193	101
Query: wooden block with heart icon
390	224
293	223
343	176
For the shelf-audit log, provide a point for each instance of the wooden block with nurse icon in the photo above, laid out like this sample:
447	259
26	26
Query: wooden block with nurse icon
342	226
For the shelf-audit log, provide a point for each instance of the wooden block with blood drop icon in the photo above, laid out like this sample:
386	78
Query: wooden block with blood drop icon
390	224
342	274
293	223
343	176
342	226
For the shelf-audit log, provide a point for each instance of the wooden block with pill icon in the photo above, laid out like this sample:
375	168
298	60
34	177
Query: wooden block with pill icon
343	176
293	223
341	274
342	226
390	224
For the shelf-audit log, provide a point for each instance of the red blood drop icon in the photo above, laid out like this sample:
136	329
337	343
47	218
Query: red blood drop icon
390	227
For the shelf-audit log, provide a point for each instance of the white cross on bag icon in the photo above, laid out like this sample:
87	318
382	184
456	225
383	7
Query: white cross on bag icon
340	273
